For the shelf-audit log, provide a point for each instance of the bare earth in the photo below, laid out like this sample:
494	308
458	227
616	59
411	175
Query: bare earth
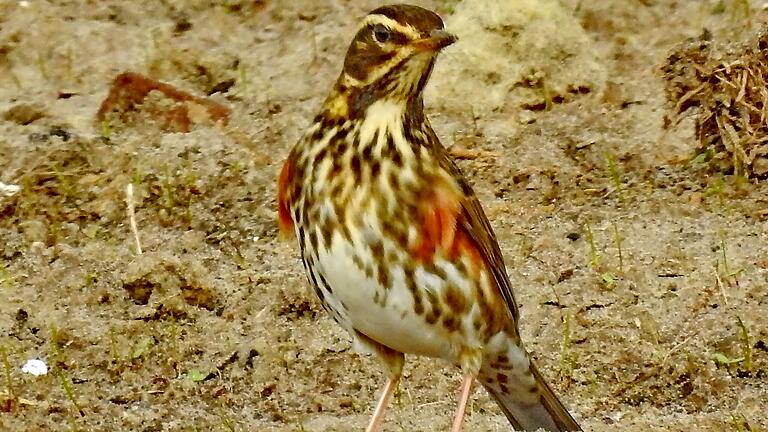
642	278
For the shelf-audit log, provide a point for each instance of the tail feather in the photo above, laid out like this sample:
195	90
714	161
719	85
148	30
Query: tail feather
526	408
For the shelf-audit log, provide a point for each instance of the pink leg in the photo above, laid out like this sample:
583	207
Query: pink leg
386	397
466	390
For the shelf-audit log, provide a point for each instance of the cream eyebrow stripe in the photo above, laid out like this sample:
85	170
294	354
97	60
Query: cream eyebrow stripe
391	24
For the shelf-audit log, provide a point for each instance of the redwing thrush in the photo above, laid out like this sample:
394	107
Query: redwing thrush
394	241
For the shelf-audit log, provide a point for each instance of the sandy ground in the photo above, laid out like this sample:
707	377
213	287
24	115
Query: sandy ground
633	268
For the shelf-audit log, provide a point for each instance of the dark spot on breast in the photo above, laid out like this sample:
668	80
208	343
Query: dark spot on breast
341	147
358	261
341	134
434	303
455	300
383	274
418	306
321	155
318	134
432	317
375	244
345	232
439	272
399	236
330	122
326	230
396	157
394	183
367	153
477	322
410	283
336	168
451	323
354	165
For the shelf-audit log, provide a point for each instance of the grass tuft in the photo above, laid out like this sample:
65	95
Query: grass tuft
746	345
594	255
741	424
617	239
12	400
615	175
226	421
64	381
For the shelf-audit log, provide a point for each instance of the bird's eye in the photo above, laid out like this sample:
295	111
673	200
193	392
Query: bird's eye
381	33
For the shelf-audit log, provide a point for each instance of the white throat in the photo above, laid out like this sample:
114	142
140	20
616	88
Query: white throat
382	116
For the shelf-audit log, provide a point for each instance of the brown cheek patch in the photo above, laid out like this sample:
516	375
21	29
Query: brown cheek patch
364	55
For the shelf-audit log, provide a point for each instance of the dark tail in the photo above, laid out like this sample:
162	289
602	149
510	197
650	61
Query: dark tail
528	409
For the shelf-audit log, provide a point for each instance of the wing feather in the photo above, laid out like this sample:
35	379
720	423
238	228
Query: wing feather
473	224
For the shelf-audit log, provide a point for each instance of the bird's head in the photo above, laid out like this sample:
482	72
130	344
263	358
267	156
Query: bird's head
390	57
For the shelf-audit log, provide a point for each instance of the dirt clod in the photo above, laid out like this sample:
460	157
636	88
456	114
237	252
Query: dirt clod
139	290
134	98
24	114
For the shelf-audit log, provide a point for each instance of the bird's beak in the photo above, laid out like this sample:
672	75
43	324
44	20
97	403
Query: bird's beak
437	40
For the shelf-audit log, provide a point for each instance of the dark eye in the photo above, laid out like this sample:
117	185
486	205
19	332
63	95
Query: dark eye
381	33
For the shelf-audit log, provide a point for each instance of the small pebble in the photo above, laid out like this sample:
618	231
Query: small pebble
9	189
35	367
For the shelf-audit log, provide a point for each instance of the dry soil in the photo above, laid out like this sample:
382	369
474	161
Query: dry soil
642	277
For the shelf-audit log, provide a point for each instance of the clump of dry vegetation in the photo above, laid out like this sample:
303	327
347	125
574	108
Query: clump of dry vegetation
728	83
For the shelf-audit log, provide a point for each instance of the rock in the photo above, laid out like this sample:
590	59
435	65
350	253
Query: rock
134	98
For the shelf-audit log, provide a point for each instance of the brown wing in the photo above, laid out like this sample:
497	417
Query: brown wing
472	222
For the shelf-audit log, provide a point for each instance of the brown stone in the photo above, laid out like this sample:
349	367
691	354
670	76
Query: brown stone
129	100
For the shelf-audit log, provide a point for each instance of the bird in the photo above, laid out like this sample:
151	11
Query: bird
393	240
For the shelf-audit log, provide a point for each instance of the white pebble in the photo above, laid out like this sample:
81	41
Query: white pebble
8	189
35	367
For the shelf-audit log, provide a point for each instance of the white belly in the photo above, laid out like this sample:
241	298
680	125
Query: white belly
392	322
